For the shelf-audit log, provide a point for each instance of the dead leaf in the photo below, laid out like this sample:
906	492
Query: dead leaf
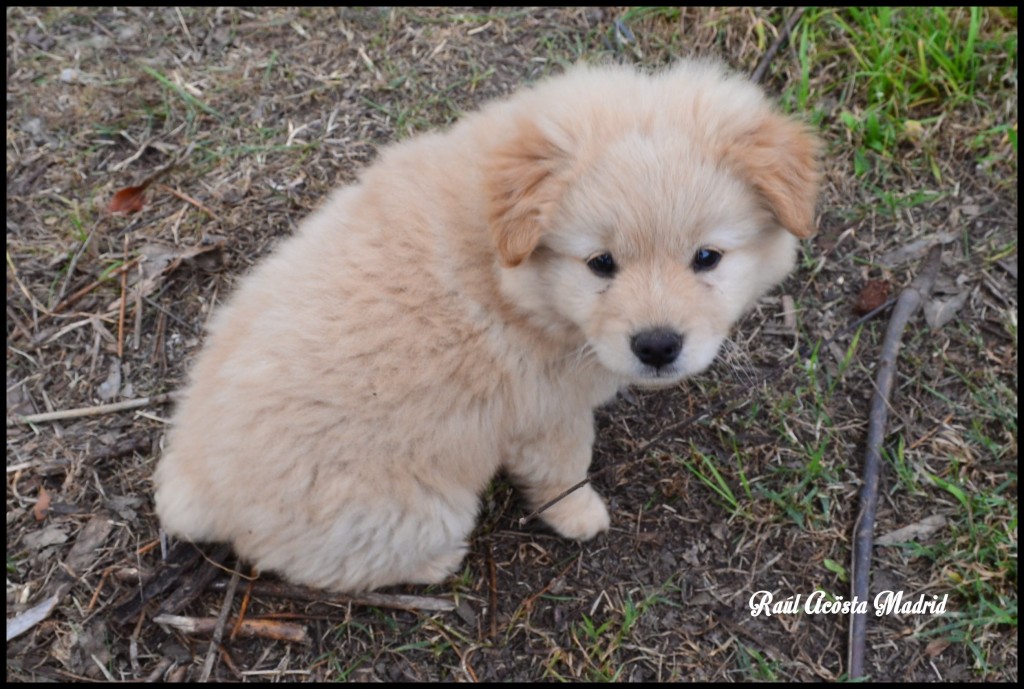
128	200
123	505
31	617
914	250
872	295
938	312
53	534
163	259
935	647
132	199
91	538
916	531
160	260
89	649
42	506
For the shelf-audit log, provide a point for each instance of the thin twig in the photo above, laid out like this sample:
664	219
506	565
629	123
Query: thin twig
70	272
378	600
492	612
188	199
769	55
124	306
24	290
119	449
218	631
246	597
909	302
62	306
18	419
123	268
181	559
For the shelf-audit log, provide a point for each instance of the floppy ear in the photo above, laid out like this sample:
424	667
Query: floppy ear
521	182
779	157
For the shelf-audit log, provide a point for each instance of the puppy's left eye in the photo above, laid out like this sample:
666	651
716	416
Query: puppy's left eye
706	259
603	265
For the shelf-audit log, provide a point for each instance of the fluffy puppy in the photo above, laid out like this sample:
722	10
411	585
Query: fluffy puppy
466	305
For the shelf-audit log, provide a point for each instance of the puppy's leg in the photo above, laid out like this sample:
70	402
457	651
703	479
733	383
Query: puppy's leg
553	463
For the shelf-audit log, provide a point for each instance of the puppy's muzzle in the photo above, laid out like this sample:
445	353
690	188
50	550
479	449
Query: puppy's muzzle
657	347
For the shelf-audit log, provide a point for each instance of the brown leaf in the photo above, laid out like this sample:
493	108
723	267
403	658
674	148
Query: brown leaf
129	200
935	647
160	260
91	538
917	531
872	295
42	506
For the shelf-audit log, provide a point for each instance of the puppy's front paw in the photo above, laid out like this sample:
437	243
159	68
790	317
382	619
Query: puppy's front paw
580	515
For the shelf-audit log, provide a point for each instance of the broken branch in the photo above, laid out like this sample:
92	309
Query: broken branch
18	419
909	302
249	628
379	600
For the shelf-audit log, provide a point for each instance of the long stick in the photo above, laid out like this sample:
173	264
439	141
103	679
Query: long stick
909	302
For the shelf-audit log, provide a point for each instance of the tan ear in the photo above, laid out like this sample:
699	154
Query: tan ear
521	183
779	157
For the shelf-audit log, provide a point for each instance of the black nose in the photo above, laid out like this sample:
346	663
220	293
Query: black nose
657	347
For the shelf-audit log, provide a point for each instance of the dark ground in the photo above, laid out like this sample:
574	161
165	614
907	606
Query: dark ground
263	113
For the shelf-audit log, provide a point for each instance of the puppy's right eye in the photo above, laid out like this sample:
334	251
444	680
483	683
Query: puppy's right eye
603	265
706	259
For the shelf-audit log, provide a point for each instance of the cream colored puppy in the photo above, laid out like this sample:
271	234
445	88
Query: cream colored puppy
466	305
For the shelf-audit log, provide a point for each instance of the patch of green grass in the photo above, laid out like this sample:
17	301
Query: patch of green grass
979	559
912	68
412	105
802	490
755	666
707	473
906	473
190	100
414	643
976	482
992	417
913	56
668	14
601	642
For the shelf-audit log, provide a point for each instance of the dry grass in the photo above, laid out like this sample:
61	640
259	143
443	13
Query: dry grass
263	112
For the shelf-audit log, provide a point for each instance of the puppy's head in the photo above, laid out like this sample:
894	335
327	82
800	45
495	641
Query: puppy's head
649	212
